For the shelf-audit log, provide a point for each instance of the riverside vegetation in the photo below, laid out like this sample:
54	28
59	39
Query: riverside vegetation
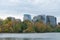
9	26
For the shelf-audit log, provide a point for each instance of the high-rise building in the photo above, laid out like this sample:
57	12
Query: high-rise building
34	19
27	17
39	18
51	20
46	19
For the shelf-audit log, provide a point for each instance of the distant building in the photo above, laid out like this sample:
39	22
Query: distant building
58	23
11	18
18	20
39	18
34	19
46	19
43	18
27	17
51	20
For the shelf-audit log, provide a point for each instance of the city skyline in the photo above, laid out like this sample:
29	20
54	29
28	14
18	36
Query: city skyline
16	8
28	17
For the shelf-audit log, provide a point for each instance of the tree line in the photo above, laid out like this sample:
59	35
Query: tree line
9	26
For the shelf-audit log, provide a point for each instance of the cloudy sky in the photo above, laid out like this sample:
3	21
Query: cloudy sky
16	8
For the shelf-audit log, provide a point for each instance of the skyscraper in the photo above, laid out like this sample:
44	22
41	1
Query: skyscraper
51	20
46	19
34	19
27	17
39	18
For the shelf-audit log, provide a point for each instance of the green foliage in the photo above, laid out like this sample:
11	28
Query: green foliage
49	29
57	29
10	26
40	27
17	27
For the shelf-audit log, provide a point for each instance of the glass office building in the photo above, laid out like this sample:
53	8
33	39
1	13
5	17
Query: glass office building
52	20
27	17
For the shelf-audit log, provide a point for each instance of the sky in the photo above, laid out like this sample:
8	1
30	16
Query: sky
17	8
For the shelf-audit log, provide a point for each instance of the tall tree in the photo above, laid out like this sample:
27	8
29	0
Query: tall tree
40	27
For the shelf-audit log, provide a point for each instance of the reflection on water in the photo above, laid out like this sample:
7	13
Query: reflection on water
35	36
26	39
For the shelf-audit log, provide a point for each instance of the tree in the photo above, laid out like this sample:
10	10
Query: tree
49	28
1	22
8	27
40	27
25	24
17	27
29	30
57	28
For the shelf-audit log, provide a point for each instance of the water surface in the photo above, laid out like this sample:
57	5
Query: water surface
30	36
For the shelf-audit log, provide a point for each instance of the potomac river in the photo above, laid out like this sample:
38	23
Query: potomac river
29	36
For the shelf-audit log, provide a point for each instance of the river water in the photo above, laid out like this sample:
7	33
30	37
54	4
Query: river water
30	36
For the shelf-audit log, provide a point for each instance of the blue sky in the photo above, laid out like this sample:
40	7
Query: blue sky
16	8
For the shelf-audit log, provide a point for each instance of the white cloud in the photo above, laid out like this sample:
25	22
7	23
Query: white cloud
7	13
14	1
10	7
9	2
